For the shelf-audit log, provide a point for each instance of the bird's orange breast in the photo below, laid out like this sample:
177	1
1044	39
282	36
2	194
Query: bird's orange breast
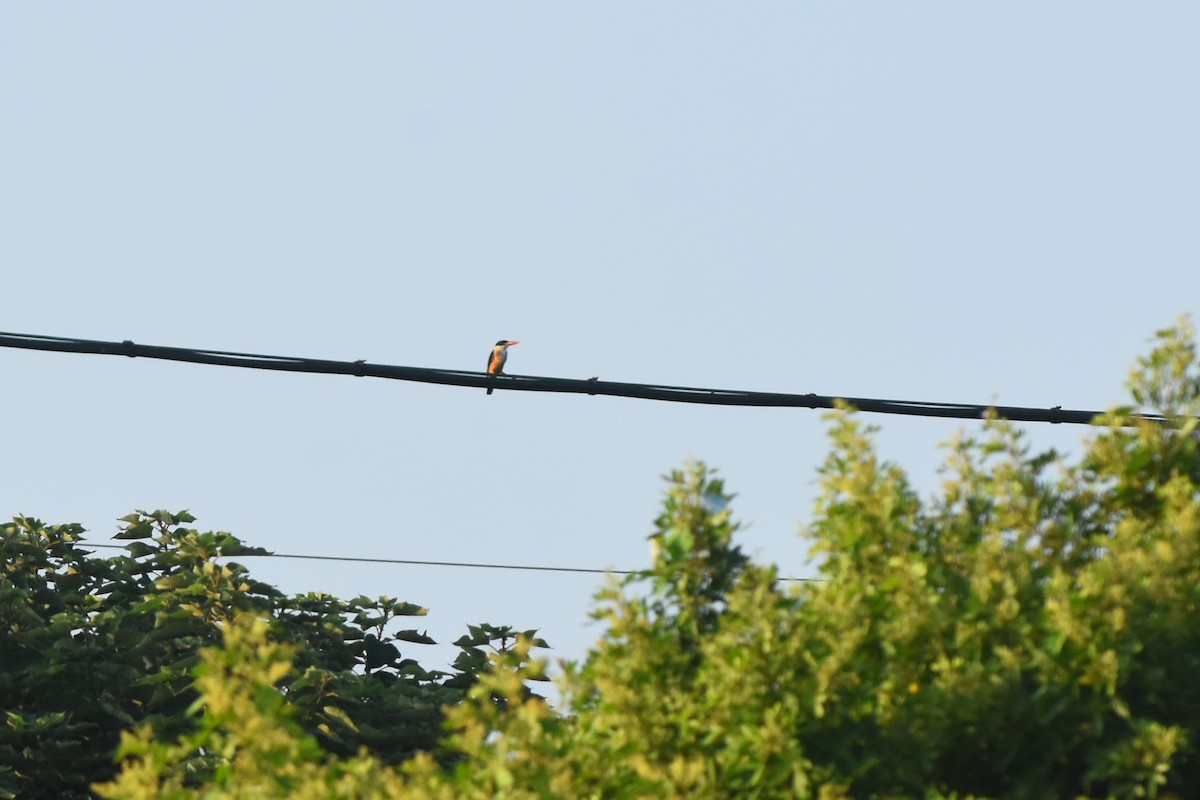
496	363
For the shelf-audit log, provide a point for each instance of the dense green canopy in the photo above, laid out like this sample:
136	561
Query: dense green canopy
90	647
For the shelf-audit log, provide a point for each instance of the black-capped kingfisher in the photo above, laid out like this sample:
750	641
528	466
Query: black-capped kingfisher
497	358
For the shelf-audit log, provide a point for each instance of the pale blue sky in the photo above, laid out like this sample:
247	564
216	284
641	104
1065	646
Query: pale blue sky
961	202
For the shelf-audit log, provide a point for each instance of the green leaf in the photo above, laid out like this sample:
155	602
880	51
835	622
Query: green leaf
138	530
413	636
139	549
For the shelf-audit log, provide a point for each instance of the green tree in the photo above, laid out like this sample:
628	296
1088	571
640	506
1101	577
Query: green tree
1022	635
90	647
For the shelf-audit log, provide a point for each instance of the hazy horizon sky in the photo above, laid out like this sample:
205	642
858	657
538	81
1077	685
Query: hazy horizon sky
922	201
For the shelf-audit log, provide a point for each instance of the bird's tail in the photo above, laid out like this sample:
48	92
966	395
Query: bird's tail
489	390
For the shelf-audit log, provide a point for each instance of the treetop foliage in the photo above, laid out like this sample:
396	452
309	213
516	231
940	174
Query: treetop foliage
90	647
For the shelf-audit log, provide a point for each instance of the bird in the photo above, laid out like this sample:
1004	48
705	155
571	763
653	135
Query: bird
497	358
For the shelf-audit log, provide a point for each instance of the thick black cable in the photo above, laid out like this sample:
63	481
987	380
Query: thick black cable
530	383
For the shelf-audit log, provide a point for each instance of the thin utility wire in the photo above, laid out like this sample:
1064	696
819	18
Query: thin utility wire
531	383
408	561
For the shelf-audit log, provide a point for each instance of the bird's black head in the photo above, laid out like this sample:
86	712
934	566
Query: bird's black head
502	342
506	343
